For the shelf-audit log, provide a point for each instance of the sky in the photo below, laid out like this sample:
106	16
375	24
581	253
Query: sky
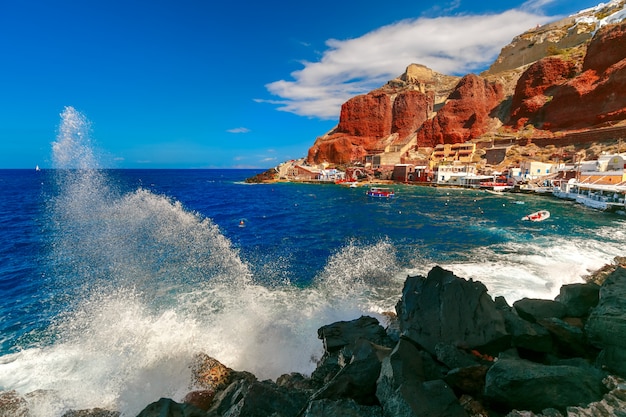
217	84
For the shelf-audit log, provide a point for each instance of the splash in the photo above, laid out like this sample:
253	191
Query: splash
140	285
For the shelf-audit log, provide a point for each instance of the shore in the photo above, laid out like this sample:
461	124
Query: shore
448	350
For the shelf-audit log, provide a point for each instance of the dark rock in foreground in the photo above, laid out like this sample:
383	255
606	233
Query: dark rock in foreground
458	353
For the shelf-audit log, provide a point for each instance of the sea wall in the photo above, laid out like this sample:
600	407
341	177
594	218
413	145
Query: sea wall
450	349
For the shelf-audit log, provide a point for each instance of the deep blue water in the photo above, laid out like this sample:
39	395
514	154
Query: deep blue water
125	269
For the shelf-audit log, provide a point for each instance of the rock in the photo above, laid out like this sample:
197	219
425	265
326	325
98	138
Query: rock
369	122
606	48
13	405
443	308
591	98
465	115
210	374
530	386
343	407
201	399
578	299
344	334
469	380
410	110
169	408
606	325
295	380
524	335
533	86
403	391
357	380
532	309
569	339
613	404
366	115
94	412
453	357
257	399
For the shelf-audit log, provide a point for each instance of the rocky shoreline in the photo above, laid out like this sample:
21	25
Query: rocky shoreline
450	350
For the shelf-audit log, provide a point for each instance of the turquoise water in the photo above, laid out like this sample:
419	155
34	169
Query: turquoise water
113	279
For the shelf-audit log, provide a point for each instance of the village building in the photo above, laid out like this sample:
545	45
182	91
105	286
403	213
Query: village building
607	170
460	152
457	174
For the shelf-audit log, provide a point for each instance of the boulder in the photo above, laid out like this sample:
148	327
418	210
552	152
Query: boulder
201	399
531	386
442	308
469	380
403	391
344	334
343	407
524	335
453	357
296	380
532	309
166	407
13	405
357	380
569	340
579	298
208	373
606	325
257	399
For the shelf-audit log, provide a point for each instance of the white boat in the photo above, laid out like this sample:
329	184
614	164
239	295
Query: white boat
566	190
537	216
601	197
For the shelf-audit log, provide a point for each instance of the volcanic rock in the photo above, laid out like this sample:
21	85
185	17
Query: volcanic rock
442	308
579	298
531	386
532	309
532	89
593	97
403	391
606	325
343	407
166	407
466	114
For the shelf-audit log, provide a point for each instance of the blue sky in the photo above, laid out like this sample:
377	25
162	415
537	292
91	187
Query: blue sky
216	84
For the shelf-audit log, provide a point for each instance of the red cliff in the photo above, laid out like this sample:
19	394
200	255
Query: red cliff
577	82
466	114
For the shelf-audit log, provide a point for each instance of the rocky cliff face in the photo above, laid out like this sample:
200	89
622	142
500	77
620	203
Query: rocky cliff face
371	122
466	114
566	75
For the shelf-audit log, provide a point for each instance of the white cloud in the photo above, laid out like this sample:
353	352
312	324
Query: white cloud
454	45
239	130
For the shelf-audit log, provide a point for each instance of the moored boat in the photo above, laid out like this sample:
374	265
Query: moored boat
380	192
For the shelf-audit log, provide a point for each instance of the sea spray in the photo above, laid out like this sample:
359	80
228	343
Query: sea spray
141	285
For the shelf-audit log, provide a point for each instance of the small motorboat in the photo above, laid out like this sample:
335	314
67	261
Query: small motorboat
537	216
380	192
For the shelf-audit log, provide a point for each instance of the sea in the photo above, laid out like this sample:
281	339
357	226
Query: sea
113	280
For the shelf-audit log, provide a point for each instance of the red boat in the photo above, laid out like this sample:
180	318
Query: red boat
380	192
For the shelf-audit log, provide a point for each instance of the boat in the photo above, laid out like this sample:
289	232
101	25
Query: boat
601	197
537	216
380	192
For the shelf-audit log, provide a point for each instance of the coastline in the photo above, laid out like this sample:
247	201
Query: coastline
495	359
